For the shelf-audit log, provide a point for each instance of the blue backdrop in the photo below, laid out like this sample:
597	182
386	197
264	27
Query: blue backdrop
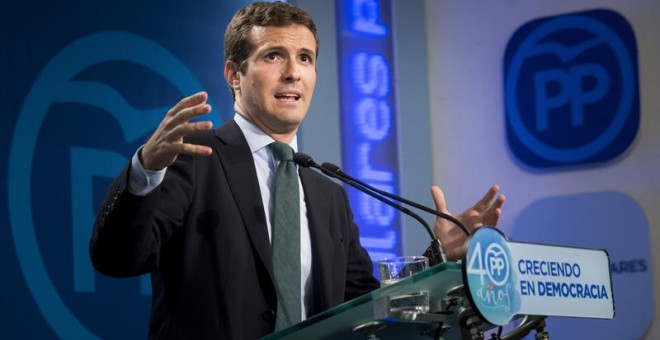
83	85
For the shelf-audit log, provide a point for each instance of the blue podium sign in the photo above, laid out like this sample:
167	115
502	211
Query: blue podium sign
505	279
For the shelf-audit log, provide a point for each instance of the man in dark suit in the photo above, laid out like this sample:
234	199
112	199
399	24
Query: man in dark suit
194	207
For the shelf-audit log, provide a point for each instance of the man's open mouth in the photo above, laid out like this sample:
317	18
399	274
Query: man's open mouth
287	96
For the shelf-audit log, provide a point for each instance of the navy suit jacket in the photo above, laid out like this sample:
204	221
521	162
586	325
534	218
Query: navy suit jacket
202	235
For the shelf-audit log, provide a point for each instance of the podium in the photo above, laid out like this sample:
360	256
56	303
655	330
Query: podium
368	314
497	282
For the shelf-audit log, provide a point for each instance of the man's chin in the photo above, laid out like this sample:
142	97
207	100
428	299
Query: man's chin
290	120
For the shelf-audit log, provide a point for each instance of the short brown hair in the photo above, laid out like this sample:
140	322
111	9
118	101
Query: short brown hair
238	42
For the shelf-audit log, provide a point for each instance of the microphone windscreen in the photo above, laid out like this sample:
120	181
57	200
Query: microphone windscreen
331	167
303	160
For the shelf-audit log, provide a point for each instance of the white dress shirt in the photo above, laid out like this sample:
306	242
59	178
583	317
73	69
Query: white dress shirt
144	181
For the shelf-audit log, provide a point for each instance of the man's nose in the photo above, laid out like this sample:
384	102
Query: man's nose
291	71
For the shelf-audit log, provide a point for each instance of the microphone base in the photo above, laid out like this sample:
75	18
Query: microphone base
435	253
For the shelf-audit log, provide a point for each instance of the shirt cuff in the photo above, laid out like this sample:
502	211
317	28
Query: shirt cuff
141	180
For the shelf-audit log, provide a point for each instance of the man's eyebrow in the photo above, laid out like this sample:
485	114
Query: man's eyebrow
276	47
272	47
308	51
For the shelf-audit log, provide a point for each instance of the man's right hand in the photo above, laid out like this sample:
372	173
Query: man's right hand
167	143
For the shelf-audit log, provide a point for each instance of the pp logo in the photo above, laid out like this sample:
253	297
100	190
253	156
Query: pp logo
497	264
571	89
489	277
70	303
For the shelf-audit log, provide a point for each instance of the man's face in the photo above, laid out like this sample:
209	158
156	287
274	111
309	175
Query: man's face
276	89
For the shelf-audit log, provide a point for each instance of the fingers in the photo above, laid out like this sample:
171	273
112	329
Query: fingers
176	126
499	202
186	109
190	101
492	213
187	114
182	130
485	202
439	199
195	149
172	142
166	143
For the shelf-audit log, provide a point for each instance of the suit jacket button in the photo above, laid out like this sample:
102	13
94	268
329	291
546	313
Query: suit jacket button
268	315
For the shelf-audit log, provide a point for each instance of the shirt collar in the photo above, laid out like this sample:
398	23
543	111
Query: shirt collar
256	138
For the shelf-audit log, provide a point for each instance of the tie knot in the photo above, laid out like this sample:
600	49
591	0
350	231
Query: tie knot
282	151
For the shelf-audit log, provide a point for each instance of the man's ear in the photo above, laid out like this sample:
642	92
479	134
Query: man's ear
232	75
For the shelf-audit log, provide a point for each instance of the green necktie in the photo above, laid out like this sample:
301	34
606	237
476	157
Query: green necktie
286	237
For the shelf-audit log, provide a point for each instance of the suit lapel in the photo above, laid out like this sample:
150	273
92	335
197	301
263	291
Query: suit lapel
322	243
236	159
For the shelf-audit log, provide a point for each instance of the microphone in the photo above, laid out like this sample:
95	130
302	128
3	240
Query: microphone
333	171
307	161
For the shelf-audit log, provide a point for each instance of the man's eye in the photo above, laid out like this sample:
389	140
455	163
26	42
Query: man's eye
306	58
271	56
